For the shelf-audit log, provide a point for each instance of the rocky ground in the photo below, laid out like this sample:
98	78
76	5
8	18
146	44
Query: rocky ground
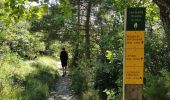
63	88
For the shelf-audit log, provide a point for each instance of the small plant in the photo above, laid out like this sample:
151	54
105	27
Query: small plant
110	94
90	94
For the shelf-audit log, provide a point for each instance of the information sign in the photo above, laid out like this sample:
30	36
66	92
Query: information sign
134	46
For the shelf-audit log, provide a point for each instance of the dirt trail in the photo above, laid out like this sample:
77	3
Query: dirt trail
63	88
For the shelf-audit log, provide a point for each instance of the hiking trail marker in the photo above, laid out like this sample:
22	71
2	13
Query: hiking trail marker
133	67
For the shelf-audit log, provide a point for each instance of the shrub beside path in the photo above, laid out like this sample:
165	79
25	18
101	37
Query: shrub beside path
63	87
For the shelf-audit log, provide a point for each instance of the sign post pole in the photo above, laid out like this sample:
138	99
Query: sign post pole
133	67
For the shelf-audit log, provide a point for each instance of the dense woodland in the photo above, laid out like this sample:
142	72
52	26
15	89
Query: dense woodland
92	31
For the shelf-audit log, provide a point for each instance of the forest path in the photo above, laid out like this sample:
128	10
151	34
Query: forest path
63	87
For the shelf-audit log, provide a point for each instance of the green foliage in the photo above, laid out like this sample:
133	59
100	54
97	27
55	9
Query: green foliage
15	10
22	39
9	87
19	40
25	79
90	94
156	50
67	8
82	82
42	11
106	78
41	82
79	81
109	56
110	94
157	87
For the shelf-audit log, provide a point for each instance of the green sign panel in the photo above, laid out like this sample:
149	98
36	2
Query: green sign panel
135	19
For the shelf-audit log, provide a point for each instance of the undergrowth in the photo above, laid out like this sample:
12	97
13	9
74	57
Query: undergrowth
26	80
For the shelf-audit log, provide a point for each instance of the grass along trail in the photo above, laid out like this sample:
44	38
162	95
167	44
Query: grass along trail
63	87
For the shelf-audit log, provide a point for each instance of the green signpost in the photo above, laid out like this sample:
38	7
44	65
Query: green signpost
135	20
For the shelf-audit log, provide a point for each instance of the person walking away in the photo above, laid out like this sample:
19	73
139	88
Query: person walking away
64	59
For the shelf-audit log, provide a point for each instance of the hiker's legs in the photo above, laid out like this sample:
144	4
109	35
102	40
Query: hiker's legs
64	67
63	70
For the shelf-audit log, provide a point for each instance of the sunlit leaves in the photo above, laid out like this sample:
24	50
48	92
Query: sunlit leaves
15	8
109	55
66	7
152	11
42	11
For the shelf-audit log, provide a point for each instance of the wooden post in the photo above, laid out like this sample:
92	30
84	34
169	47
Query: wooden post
133	92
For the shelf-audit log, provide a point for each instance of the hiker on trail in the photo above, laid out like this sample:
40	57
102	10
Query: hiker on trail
64	58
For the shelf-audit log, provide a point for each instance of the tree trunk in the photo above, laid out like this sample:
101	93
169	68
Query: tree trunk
87	30
164	6
77	53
